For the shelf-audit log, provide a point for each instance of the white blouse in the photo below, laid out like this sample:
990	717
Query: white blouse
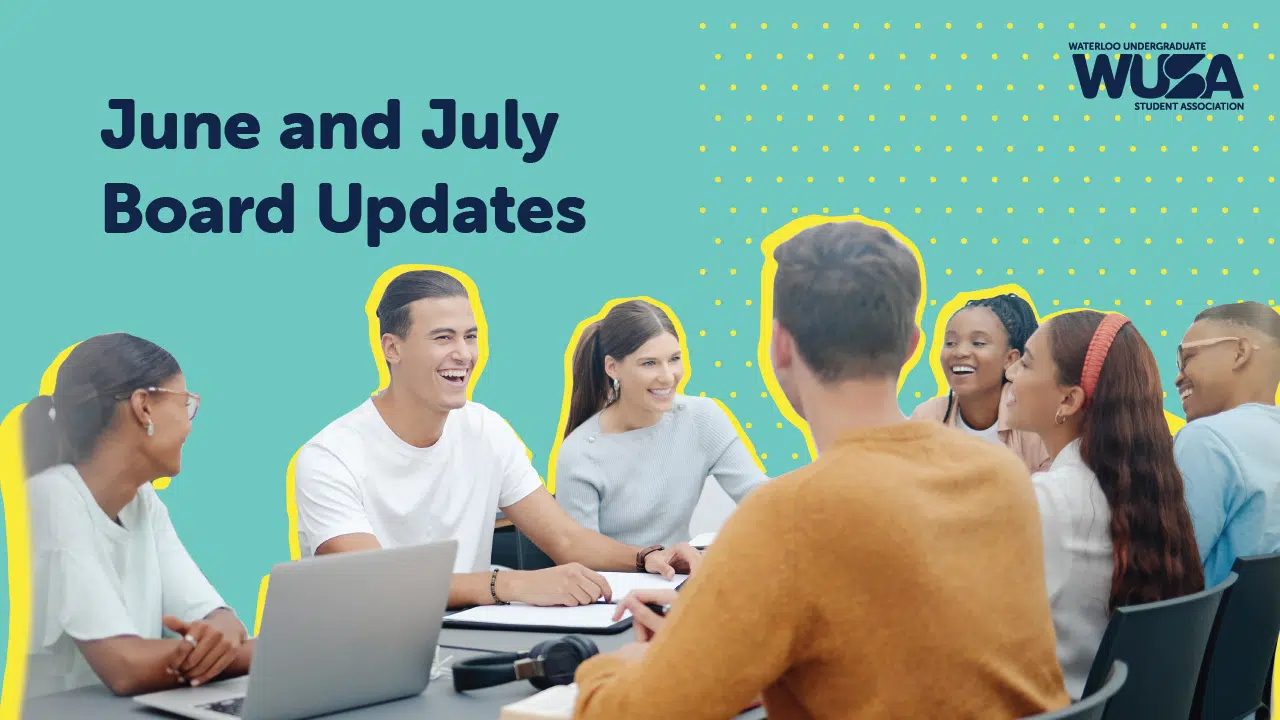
1078	561
93	578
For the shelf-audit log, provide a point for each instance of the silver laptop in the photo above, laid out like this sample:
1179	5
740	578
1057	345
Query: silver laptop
338	632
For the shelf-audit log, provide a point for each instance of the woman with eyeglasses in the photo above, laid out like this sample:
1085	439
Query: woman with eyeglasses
116	597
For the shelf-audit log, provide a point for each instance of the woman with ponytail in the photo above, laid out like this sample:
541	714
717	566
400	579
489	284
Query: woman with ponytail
983	339
117	599
636	454
1117	531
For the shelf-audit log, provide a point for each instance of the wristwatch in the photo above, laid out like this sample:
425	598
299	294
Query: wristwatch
640	556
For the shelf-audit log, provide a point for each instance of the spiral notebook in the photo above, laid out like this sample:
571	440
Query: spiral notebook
596	618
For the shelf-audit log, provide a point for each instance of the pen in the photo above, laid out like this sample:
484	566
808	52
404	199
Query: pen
660	610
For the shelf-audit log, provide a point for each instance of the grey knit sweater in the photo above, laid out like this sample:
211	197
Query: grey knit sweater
640	487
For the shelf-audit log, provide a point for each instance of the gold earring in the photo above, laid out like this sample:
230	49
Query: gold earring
1057	417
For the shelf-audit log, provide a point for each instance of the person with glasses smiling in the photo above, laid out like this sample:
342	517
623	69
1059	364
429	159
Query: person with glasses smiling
1228	370
109	574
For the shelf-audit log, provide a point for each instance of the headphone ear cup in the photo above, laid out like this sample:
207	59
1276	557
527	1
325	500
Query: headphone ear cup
562	658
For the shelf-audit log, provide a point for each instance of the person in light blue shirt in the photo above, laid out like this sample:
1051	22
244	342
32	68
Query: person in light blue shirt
1229	451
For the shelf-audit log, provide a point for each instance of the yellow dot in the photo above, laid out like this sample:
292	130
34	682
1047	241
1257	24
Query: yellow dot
979	86
1102	26
995	56
733	86
764	148
948	86
704	86
717	363
979	26
886	26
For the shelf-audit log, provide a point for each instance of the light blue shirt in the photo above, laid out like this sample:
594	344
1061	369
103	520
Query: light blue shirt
1230	465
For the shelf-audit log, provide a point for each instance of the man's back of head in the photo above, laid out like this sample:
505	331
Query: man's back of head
848	292
845	299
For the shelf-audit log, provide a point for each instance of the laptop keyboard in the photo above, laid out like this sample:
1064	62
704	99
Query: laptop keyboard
227	707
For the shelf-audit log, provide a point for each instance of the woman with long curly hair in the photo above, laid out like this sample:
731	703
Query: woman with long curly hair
1116	527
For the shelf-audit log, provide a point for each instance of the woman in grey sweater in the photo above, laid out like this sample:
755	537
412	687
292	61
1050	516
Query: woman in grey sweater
636	453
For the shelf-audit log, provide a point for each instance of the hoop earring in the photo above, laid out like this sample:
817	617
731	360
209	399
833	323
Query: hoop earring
1057	417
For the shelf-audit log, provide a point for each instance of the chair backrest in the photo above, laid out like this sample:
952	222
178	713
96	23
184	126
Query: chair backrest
1163	645
1243	643
1093	706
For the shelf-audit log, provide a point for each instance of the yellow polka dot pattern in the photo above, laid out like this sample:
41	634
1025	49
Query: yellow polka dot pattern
964	131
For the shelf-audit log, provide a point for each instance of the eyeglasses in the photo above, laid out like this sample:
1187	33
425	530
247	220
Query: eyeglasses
1182	359
193	400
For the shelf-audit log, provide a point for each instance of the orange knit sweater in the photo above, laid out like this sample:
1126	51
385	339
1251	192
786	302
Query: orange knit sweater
899	575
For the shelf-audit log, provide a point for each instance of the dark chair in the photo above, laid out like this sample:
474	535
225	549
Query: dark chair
1163	645
1233	677
512	549
531	556
1091	707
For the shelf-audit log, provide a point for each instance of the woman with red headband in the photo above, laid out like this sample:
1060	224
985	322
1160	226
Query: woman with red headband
1116	527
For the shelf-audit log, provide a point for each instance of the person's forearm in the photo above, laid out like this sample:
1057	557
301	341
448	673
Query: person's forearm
595	551
132	665
469	589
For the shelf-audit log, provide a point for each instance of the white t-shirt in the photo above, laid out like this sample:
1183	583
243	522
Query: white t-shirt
991	434
95	579
358	476
1078	560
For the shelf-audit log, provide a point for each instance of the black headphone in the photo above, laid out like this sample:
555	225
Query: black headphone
551	662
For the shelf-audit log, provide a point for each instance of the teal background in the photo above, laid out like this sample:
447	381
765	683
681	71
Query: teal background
271	330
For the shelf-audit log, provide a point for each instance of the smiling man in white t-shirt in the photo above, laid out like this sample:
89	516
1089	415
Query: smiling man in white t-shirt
419	463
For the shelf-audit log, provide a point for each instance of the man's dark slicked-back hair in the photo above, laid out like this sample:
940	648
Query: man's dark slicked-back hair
1248	314
847	292
393	308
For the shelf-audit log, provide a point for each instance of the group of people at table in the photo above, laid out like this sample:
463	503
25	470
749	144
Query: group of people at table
967	556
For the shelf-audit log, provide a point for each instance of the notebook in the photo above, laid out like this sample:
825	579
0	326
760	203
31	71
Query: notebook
554	703
596	618
557	703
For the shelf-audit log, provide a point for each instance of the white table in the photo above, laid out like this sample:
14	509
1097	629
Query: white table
439	701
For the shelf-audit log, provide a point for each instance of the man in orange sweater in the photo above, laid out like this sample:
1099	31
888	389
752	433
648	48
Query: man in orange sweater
901	574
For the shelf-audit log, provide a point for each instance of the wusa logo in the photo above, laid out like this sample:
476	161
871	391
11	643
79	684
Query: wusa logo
1190	77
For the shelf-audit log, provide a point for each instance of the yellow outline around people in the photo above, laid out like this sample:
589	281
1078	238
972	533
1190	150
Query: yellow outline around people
12	475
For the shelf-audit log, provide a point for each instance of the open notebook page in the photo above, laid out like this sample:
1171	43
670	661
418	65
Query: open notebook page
597	615
623	583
